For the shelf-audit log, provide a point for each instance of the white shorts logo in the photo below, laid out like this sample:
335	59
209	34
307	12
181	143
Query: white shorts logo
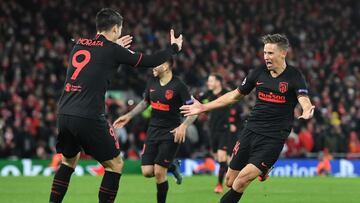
244	81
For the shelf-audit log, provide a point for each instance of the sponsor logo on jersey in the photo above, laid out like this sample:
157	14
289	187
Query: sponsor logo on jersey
159	106
273	98
72	88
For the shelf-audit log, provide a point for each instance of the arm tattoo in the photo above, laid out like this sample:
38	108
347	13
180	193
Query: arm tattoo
140	107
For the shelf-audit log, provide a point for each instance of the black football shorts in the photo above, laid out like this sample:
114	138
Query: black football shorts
261	150
159	151
96	137
221	141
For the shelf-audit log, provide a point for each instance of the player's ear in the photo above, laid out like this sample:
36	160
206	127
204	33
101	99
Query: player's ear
167	66
114	29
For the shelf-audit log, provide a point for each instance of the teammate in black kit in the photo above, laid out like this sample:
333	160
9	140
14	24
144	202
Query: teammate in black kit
81	114
165	94
279	87
218	127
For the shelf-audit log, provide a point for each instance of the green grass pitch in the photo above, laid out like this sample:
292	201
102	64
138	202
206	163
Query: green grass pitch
198	189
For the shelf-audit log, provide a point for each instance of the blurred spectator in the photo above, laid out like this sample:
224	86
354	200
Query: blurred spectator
292	146
306	141
35	38
324	166
354	145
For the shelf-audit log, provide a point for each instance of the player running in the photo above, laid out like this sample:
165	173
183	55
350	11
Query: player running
279	87
165	94
81	113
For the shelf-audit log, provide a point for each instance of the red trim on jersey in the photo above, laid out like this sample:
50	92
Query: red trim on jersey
143	150
112	133
271	98
236	148
140	57
159	106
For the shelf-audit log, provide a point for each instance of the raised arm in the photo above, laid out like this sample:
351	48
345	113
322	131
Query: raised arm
224	100
128	57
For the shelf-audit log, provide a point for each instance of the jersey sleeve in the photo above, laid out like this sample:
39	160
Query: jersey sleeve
185	94
300	86
146	93
249	82
135	59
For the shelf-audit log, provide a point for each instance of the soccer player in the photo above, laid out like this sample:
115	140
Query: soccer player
219	127
279	87
165	94
81	113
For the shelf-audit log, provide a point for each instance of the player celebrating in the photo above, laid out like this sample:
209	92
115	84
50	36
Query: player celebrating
279	87
218	127
165	94
81	114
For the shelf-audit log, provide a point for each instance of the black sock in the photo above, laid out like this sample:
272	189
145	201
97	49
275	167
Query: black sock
222	172
231	197
60	183
162	189
109	187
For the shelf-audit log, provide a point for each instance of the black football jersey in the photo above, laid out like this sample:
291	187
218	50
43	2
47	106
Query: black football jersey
165	102
92	64
276	99
218	118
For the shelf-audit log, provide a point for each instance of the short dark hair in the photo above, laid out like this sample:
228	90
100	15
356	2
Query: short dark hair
170	61
217	76
280	40
106	18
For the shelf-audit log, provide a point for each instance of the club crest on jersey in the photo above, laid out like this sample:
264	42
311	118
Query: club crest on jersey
283	87
169	94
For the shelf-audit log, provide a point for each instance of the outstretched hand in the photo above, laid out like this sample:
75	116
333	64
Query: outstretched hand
121	121
194	109
308	113
125	41
173	40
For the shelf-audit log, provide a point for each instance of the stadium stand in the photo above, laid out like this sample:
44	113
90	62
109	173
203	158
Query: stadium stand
220	36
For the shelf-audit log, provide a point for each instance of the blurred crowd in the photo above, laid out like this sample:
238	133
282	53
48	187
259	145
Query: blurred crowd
36	37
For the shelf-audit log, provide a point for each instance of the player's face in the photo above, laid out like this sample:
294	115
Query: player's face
211	82
158	70
274	56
